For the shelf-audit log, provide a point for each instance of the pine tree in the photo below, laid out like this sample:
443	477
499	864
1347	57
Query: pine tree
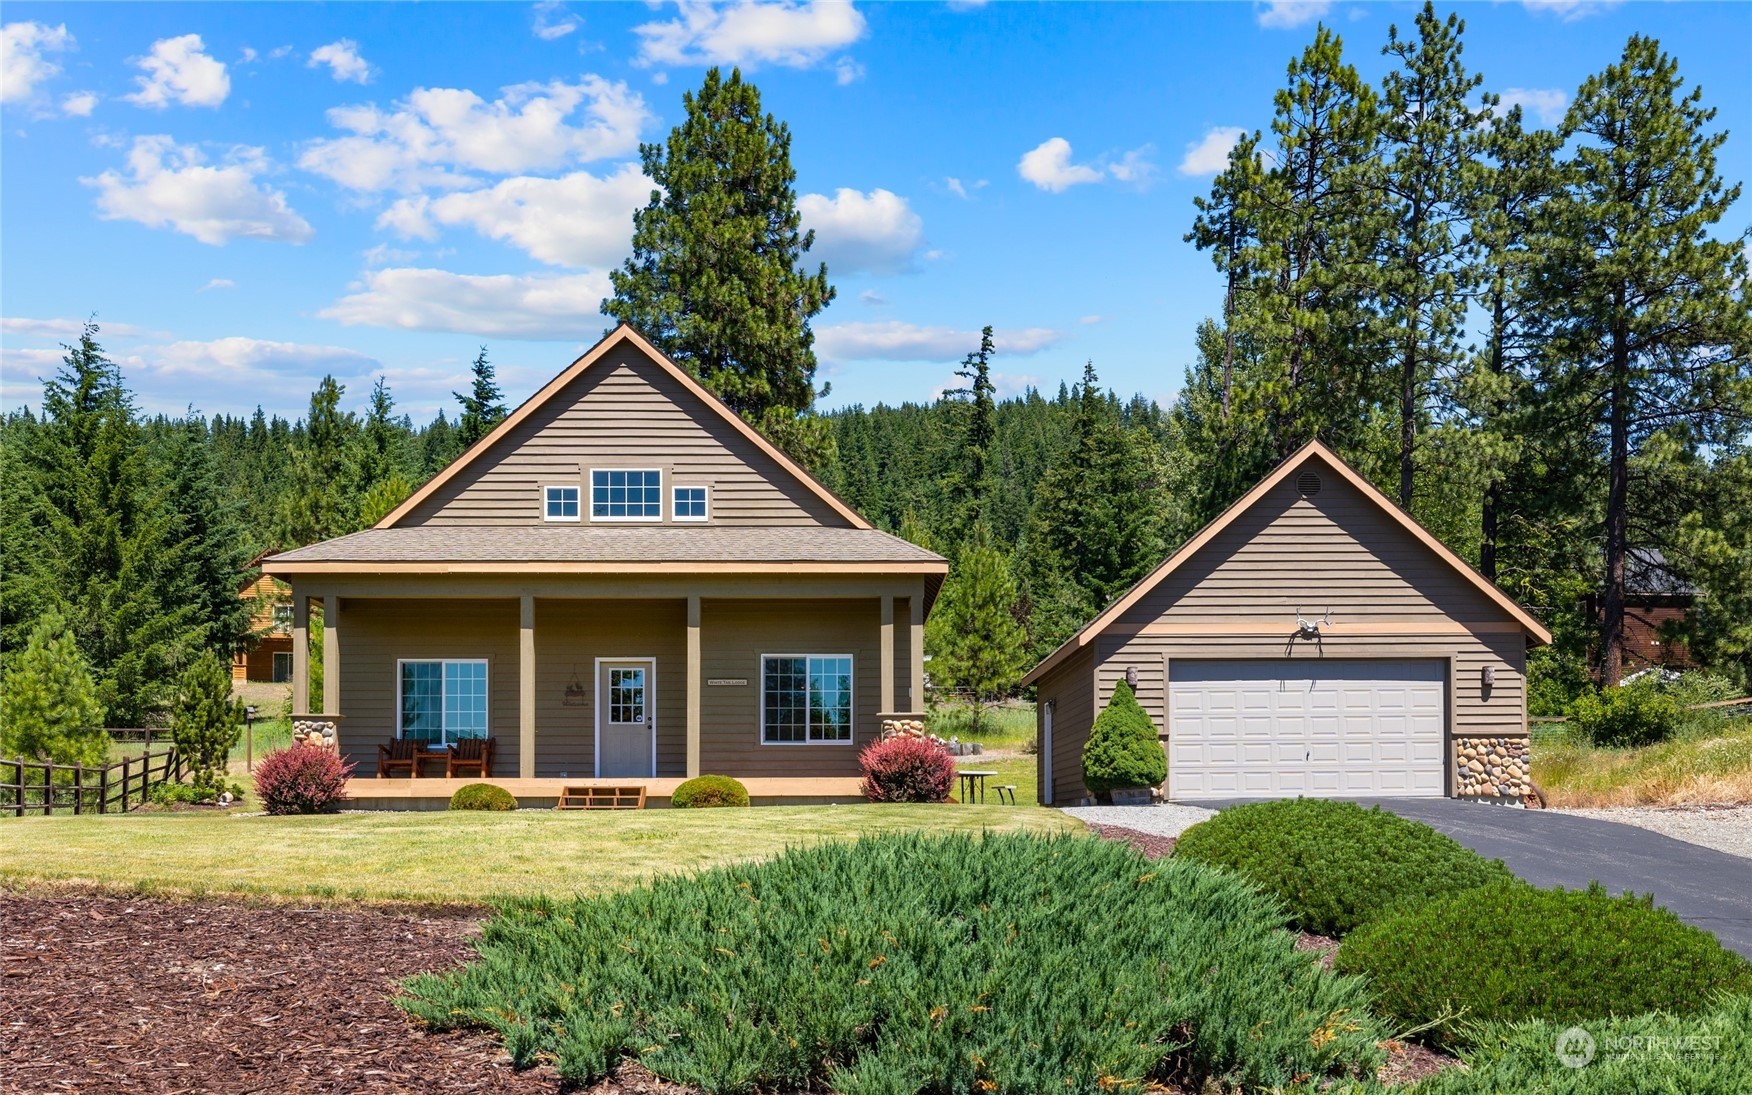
213	542
1650	327
716	279
320	496
1431	133
977	645
380	472
49	708
968	486
206	721
481	408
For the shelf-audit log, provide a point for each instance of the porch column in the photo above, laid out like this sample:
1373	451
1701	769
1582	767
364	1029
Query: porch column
300	654
916	700
526	687
693	685
331	655
886	703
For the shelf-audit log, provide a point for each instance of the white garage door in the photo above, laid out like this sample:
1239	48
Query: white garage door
1327	728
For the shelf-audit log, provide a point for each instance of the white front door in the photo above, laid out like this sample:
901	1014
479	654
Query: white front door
626	724
1327	728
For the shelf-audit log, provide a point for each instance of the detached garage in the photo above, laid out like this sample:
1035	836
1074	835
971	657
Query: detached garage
1312	640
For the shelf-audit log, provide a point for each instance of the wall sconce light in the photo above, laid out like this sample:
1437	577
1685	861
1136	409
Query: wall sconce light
1131	676
1490	676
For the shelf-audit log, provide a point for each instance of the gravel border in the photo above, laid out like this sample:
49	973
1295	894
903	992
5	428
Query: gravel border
1160	819
1724	828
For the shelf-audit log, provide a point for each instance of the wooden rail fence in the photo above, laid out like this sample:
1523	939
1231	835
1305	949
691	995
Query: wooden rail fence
109	788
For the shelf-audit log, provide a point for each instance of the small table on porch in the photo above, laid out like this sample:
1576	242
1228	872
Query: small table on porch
438	755
971	779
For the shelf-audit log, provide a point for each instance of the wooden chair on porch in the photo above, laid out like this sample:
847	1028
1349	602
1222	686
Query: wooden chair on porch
470	756
402	754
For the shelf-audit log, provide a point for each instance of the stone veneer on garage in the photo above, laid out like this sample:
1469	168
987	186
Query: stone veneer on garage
1491	767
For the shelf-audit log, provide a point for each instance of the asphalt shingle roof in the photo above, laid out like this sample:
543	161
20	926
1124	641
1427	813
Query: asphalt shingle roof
617	544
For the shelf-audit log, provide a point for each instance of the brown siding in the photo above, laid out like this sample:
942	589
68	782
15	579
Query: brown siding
1067	687
733	636
569	637
375	633
625	412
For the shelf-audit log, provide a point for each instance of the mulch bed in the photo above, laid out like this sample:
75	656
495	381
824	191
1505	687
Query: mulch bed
161	997
1149	845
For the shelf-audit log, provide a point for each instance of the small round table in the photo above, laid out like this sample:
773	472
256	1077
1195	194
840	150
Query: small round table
972	778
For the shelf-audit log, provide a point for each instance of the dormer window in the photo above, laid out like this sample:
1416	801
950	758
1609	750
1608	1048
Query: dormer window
560	503
626	495
690	504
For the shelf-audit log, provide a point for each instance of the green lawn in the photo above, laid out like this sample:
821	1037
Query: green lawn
1010	768
448	857
1004	726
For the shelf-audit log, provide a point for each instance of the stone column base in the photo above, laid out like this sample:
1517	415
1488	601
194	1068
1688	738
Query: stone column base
1492	768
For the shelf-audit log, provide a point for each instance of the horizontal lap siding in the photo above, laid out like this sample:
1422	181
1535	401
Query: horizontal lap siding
624	412
375	633
569	637
734	635
1067	688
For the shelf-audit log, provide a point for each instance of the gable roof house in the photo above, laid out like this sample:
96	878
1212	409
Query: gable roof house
622	582
1312	640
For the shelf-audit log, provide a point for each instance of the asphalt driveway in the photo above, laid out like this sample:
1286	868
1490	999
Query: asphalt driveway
1702	886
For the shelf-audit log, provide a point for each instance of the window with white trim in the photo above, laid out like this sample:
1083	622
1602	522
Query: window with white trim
805	698
689	504
618	494
560	503
442	702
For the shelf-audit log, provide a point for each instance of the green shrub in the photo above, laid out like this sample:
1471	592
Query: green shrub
1626	717
1123	749
901	964
1709	1053
710	791
1514	952
206	721
173	794
1336	865
482	796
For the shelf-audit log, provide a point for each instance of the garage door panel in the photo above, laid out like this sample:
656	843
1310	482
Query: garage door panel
1333	727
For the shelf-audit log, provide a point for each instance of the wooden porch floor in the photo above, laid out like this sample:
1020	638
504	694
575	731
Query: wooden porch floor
401	793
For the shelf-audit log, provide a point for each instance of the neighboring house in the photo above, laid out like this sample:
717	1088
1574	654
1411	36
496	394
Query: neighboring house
1657	612
268	657
1423	658
623	580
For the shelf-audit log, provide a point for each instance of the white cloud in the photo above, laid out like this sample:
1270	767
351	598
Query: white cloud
170	186
552	20
178	70
870	298
1135	167
1049	167
1090	321
545	307
342	58
897	341
21	327
217	283
438	136
790	33
847	71
1283	14
961	189
22	65
874	233
1546	104
1570	10
1210	154
232	360
80	104
576	220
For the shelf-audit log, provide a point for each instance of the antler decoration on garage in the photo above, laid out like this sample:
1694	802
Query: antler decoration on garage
1309	632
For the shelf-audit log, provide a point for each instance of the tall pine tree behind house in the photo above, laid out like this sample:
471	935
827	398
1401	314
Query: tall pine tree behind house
321	499
969	484
976	643
716	279
482	408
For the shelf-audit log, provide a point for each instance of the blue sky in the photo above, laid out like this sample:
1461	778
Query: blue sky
250	195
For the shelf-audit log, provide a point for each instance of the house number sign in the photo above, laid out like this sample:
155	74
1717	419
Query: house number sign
727	682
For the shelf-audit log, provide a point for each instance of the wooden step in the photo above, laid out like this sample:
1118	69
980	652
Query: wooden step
601	798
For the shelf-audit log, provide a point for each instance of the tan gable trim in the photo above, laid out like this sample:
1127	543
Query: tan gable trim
1312	450
621	334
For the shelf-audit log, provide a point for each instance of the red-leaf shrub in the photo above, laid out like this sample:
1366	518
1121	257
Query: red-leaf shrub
301	779
907	770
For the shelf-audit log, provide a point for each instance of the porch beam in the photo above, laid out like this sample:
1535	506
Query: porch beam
886	702
331	654
916	694
300	653
526	687
693	685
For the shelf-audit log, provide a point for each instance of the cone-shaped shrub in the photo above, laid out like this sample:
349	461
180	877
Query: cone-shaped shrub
907	770
906	964
482	796
301	779
1123	749
704	791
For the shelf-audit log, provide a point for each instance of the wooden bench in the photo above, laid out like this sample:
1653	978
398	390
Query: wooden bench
1007	793
470	755
601	798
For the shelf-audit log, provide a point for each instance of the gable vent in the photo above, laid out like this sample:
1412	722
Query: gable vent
1308	484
